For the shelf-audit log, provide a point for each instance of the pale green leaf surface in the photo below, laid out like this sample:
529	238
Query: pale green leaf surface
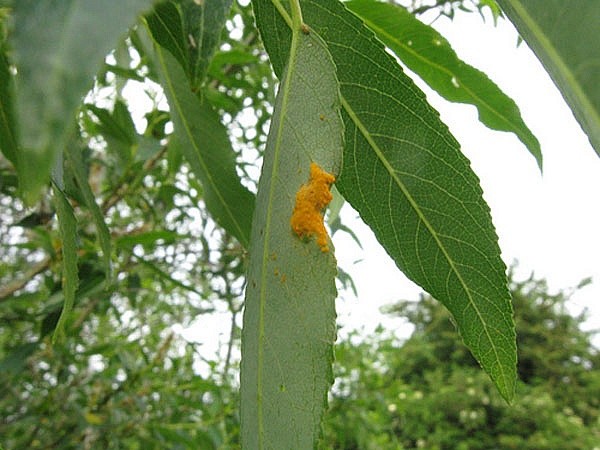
205	144
59	47
68	234
429	55
191	31
564	36
404	172
75	161
289	317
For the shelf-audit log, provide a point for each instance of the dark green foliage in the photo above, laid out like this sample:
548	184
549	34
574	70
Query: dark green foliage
191	31
429	392
121	378
114	394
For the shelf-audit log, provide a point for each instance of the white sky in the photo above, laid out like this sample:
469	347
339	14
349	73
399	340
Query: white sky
550	223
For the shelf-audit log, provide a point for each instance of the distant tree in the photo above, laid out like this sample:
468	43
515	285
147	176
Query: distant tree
428	392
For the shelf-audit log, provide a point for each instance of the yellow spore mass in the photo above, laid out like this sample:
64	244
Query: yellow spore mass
311	199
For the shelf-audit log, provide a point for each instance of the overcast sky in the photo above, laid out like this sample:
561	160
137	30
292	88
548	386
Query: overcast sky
549	223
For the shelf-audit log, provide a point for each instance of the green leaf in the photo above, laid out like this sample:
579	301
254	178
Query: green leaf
564	36
190	31
59	46
68	234
429	55
165	276
404	173
205	144
75	162
148	239
14	362
8	141
289	316
231	57
117	128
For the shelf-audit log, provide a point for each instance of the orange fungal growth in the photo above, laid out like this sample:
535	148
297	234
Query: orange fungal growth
311	199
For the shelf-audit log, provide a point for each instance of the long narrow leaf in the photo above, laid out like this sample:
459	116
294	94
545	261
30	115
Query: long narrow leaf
289	316
429	55
564	36
187	34
76	163
205	144
8	140
404	173
59	46
191	31
68	234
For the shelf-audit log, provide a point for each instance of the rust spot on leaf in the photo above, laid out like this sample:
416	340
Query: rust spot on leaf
311	200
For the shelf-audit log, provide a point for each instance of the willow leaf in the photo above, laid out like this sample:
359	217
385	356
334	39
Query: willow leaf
75	162
59	46
204	141
429	55
190	31
564	36
68	234
289	316
8	141
404	173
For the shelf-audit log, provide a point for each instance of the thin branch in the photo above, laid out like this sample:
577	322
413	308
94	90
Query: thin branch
14	286
229	344
121	190
85	313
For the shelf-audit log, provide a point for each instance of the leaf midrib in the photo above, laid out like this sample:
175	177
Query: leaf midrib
171	33
190	135
265	250
448	72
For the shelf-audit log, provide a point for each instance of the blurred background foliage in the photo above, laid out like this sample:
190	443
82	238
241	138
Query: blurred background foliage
128	374
429	392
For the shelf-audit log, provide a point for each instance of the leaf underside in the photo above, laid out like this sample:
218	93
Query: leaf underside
289	317
59	47
404	172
